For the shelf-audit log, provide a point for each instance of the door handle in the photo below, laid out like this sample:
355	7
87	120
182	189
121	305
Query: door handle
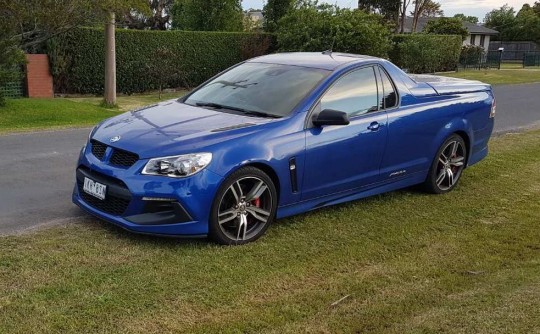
374	126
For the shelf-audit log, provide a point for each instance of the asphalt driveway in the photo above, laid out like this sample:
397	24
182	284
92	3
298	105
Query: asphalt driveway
37	169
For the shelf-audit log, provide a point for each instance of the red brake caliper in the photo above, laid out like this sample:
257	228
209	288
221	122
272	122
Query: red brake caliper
256	202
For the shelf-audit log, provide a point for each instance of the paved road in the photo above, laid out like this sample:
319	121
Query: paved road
37	169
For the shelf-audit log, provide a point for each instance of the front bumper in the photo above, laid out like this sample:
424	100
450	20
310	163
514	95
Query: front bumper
182	206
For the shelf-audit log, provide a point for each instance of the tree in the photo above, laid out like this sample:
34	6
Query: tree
527	24
403	14
463	17
158	18
208	15
316	28
109	8
425	8
273	11
504	21
36	21
389	9
446	26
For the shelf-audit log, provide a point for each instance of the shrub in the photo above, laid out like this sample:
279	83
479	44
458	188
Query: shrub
11	57
426	53
77	57
471	55
447	26
311	28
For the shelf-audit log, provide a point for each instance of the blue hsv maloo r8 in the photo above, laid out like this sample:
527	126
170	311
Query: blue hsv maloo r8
280	135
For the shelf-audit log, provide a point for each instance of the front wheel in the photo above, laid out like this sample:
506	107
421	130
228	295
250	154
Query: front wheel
447	166
244	207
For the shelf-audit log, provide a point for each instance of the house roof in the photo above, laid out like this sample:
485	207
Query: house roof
471	27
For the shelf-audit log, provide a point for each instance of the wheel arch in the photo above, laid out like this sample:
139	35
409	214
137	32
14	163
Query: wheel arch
268	170
467	141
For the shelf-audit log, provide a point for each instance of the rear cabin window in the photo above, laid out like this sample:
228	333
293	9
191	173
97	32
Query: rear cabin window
389	98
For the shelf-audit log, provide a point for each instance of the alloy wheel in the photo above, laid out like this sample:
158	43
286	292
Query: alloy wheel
450	165
245	208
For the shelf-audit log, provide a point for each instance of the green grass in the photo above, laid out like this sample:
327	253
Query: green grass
499	77
37	114
464	262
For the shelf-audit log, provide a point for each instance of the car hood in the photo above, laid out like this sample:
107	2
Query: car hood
172	127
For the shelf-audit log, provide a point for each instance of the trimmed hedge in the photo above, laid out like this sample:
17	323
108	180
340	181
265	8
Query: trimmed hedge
77	57
426	53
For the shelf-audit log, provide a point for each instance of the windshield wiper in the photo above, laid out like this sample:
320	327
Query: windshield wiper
242	110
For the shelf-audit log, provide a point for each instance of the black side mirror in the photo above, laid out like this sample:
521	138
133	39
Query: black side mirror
331	117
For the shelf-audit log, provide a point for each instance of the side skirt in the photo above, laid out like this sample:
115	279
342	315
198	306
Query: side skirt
350	195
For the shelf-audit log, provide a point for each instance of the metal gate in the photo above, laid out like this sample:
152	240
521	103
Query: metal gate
531	59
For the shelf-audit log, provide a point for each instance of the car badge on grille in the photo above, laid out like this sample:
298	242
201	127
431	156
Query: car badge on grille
115	139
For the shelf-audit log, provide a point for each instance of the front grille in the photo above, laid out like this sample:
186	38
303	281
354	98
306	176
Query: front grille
118	158
98	149
112	204
123	158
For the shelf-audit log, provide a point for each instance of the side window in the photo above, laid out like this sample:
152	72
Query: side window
355	93
389	98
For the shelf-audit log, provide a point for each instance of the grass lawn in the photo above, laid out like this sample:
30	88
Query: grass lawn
35	114
465	262
500	77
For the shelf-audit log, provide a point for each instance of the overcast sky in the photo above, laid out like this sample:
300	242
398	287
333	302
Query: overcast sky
477	8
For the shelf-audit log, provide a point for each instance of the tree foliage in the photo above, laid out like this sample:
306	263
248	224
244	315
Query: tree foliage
466	18
38	20
523	26
425	8
157	18
387	8
273	11
446	26
313	27
208	15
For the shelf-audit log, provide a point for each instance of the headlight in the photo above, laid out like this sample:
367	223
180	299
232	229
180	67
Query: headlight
178	166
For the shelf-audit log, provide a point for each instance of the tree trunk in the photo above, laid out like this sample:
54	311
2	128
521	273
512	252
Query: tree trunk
110	61
403	15
415	15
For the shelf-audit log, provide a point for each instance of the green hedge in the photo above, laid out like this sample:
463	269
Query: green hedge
426	53
77	57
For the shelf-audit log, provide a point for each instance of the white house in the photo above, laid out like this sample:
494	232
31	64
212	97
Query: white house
478	35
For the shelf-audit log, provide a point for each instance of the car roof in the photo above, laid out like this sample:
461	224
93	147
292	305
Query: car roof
324	60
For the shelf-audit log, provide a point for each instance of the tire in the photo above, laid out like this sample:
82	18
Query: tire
243	208
447	166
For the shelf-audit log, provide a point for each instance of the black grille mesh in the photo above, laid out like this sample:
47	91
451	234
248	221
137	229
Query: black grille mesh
112	205
98	149
123	158
118	158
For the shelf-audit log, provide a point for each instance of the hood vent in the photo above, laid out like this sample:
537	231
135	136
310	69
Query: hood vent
232	127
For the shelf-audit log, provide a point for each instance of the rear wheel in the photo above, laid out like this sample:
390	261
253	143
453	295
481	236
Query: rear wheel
447	166
243	208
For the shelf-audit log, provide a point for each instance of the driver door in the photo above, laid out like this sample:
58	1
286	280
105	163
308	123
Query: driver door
345	157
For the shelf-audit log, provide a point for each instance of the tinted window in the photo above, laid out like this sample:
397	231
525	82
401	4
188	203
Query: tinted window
355	93
269	88
389	99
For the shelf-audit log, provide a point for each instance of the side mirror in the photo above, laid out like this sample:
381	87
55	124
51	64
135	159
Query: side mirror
331	117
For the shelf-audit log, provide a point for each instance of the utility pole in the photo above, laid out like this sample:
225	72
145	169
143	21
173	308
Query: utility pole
110	61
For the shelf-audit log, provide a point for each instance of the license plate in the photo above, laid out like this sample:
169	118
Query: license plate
94	188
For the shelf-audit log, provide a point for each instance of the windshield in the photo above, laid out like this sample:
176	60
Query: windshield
259	89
